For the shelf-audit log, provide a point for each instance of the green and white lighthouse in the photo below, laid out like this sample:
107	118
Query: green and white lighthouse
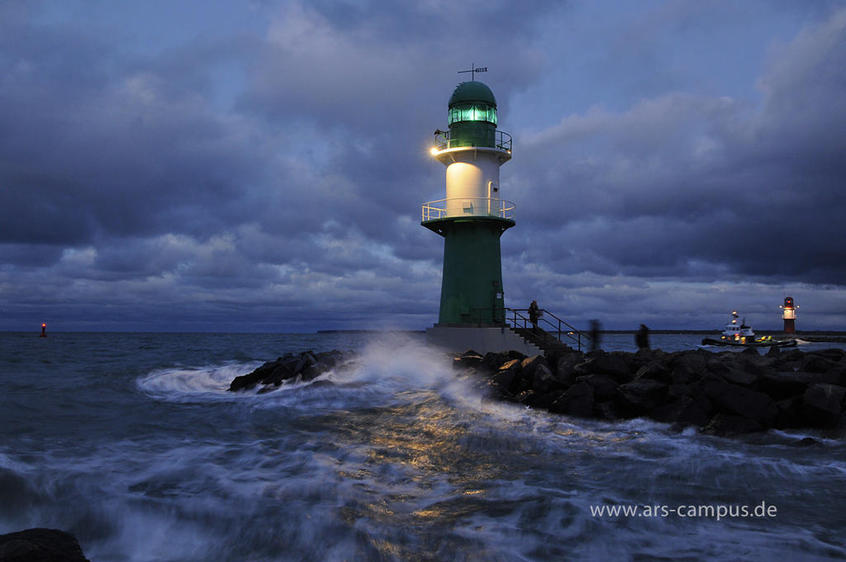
471	219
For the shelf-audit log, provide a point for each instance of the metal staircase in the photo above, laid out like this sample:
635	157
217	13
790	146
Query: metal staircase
551	334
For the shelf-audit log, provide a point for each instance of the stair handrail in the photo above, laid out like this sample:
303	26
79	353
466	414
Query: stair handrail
573	333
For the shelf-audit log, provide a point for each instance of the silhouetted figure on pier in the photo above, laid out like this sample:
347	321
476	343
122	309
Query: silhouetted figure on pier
534	314
595	327
642	337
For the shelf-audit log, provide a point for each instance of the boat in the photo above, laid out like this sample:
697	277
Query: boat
741	335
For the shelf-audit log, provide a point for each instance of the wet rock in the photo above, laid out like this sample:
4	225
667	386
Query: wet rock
604	387
833	354
723	424
492	360
742	401
606	410
530	365
789	413
822	404
303	367
654	370
685	411
40	545
537	400
279	370
805	442
543	380
677	390
565	367
505	379
611	364
641	396
467	360
718	364
688	366
774	351
576	400
780	386
737	376
817	363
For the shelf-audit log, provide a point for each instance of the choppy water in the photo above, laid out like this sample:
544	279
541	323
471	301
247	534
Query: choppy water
131	442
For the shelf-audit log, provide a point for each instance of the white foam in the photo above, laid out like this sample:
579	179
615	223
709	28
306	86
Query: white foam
207	383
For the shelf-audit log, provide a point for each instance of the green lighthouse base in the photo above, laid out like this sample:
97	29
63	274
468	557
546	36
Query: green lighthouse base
471	288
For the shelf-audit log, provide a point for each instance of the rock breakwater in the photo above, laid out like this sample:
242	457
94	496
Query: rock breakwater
725	393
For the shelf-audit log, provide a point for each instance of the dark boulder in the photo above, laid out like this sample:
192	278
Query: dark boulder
40	545
576	400
780	386
685	411
817	363
639	397
604	387
739	400
789	413
655	370
833	354
688	367
543	381
565	365
805	442
606	410
724	425
467	359
738	376
677	390
493	360
611	364
304	367
272	371
505	379
822	404
719	363
531	365
537	400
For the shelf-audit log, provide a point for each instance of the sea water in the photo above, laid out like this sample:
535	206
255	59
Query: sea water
132	443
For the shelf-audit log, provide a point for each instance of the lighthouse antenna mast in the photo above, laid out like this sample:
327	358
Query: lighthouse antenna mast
473	70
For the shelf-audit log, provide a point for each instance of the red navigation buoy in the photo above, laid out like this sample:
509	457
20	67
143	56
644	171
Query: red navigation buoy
44	329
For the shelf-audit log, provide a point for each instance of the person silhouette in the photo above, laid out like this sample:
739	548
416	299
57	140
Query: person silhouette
534	313
642	337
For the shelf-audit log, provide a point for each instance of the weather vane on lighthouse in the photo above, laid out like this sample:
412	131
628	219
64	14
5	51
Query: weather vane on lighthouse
473	70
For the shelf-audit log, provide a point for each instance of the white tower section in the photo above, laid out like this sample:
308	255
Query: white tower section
472	181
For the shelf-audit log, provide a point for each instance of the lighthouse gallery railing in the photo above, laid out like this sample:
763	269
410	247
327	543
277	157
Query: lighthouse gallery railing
502	141
468	207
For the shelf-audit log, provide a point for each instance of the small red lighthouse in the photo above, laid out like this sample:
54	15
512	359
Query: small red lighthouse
789	315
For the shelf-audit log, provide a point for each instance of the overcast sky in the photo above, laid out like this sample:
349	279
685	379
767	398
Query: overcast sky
259	166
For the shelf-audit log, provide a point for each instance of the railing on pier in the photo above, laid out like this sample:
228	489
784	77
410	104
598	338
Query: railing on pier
549	323
468	207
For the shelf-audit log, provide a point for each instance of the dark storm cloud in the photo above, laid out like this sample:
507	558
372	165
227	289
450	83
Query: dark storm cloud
108	151
273	180
680	178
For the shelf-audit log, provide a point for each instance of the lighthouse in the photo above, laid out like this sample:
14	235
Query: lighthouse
789	315
471	218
